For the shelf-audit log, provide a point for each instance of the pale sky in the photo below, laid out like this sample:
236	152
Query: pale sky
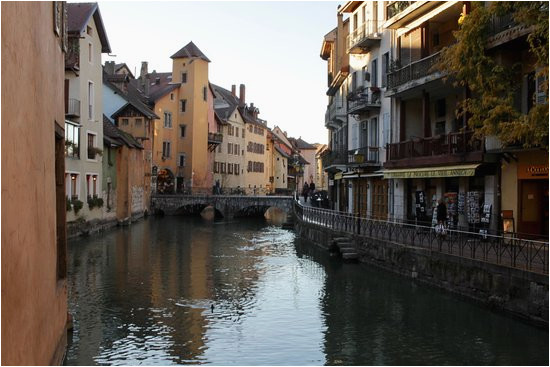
271	47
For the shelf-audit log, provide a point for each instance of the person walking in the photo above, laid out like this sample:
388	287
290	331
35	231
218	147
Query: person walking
441	217
305	192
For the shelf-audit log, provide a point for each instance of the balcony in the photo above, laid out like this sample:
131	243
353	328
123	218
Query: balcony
364	100
364	37
334	160
416	73
458	147
214	139
503	29
72	108
396	7
366	156
335	115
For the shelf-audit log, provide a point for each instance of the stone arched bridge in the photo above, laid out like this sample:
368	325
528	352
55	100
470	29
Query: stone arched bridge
228	206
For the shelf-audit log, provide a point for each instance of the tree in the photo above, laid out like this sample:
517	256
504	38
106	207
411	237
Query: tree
493	85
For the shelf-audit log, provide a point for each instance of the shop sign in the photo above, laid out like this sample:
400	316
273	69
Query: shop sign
427	173
532	171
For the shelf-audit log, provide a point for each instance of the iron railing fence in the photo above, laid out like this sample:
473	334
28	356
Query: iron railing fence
508	251
413	71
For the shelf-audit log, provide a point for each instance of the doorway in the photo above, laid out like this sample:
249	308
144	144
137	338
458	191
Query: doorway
533	205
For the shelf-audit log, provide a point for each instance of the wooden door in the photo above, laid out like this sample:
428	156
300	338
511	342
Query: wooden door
533	214
379	199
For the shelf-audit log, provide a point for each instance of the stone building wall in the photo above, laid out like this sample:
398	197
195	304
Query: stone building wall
517	292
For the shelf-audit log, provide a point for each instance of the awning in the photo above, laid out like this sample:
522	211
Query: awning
363	175
428	172
338	176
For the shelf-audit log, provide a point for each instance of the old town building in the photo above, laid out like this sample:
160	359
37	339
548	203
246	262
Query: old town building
34	251
87	40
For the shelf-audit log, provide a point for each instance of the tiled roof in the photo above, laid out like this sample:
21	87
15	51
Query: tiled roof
224	102
134	97
117	137
281	152
301	144
188	51
159	85
78	16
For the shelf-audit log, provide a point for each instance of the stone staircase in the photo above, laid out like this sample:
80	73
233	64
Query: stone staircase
346	248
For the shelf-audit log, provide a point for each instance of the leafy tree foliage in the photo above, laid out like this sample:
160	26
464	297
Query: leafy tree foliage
493	85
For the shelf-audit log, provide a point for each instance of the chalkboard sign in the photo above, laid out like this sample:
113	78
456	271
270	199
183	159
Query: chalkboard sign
473	207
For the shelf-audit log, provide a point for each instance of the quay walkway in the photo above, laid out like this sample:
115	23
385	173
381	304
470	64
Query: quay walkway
508	251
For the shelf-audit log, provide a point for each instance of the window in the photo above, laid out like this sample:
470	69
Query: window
183	78
237	132
89	30
90	100
91	185
60	207
168	120
138	122
182	130
374	76
204	94
237	168
72	140
183	102
125	122
181	160
171	96
219	148
229	148
166	149
243	133
72	185
92	150
222	167
230	168
385	68
90	52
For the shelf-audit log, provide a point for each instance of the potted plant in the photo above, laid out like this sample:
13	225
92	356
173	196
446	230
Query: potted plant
93	151
77	205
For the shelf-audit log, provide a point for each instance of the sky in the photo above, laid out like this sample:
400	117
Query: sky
271	47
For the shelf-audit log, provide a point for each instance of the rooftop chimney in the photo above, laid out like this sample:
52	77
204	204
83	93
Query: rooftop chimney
242	99
109	67
143	69
234	90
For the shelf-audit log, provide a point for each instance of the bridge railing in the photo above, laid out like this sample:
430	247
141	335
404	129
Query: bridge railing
518	253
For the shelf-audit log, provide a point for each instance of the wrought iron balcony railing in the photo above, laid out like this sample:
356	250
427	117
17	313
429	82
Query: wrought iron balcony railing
365	99
413	71
364	36
335	114
72	108
215	138
397	7
332	158
365	155
452	143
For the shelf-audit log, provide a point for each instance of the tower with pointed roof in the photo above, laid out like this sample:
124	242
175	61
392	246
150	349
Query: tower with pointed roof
190	70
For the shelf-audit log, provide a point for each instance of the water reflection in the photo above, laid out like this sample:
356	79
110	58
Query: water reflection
179	291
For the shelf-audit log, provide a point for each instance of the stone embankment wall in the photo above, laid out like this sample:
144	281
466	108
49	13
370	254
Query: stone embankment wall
520	293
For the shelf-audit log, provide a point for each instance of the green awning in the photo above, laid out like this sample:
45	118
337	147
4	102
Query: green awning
429	172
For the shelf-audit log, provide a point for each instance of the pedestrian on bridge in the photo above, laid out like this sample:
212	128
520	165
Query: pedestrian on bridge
305	192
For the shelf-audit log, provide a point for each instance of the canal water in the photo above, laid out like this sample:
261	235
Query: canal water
179	290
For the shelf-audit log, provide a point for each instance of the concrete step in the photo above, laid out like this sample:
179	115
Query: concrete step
338	239
350	256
